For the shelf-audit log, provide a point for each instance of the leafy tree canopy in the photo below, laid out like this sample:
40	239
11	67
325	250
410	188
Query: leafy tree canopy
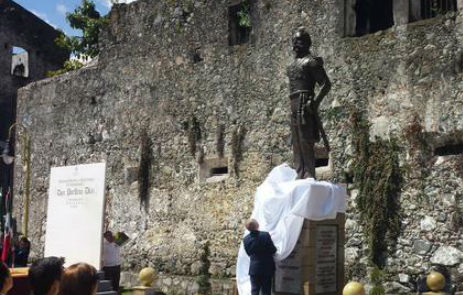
87	19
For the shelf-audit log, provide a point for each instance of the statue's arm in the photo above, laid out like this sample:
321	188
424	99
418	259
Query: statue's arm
322	79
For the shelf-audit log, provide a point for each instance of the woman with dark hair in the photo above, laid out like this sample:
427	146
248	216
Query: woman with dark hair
79	279
6	281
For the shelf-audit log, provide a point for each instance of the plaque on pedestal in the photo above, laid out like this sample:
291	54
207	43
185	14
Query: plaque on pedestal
316	265
326	259
288	275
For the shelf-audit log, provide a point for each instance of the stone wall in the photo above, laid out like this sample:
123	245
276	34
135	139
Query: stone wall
20	28
150	98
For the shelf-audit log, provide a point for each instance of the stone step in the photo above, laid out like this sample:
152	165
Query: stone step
101	275
104	285
107	293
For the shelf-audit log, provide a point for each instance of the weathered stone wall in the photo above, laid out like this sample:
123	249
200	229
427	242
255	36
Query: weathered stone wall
21	28
146	82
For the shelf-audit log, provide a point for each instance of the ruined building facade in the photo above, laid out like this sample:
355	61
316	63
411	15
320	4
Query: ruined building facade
190	111
27	52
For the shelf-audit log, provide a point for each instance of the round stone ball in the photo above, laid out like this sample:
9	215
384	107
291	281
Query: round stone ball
436	281
354	288
147	276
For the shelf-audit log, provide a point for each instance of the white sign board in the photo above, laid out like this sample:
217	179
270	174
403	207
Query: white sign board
75	213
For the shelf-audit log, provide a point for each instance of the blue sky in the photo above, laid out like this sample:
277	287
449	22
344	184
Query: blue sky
54	11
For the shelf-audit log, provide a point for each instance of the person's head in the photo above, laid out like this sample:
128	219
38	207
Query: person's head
301	41
6	281
45	276
252	225
79	279
108	235
24	243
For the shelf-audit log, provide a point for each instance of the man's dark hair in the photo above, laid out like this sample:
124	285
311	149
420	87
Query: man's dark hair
43	273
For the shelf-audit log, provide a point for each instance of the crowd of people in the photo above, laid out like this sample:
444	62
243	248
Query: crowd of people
48	276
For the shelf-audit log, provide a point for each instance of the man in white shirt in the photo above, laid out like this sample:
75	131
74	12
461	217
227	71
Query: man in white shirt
111	260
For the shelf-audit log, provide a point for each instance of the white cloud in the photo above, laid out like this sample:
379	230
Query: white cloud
61	8
109	3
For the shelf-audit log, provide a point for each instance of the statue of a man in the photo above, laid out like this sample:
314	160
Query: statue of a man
303	74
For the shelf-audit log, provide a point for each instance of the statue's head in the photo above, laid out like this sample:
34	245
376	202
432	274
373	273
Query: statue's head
301	41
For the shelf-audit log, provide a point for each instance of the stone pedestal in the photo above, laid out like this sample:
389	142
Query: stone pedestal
316	265
142	290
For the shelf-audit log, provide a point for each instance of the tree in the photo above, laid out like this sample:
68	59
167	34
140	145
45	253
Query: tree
69	65
87	19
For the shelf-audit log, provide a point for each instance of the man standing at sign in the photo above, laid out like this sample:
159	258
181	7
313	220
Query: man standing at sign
304	73
259	246
111	260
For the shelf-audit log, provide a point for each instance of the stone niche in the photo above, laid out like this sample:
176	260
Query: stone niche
214	170
324	168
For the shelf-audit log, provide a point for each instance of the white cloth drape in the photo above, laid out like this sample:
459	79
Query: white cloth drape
280	207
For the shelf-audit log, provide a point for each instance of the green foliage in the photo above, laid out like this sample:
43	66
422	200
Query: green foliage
378	176
87	19
69	65
333	114
236	143
376	279
356	272
244	15
419	152
203	281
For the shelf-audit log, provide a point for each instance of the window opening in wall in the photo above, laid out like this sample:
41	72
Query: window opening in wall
321	162
214	170
450	149
19	62
239	23
218	171
373	16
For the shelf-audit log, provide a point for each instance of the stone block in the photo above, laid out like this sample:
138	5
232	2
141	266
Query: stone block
404	278
396	288
428	224
421	247
131	174
382	127
446	255
351	255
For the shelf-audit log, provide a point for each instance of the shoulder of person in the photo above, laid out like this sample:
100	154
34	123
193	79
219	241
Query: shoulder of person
313	61
265	233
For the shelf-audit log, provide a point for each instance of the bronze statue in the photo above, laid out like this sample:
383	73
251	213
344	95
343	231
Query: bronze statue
303	74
